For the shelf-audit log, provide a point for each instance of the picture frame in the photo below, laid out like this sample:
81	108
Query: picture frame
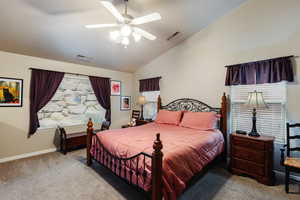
11	92
115	87
125	103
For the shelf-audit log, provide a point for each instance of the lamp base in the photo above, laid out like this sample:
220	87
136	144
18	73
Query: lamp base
254	134
142	112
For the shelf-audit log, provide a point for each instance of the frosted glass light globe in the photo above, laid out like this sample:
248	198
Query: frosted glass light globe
126	30
125	41
137	37
114	35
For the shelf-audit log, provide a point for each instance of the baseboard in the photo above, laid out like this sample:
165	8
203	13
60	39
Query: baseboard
27	155
297	178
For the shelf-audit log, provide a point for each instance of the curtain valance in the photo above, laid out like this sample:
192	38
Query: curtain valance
150	84
259	72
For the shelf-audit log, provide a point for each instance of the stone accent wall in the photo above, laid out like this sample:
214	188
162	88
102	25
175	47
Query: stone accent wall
73	104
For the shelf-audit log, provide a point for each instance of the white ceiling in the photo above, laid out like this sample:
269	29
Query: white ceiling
54	29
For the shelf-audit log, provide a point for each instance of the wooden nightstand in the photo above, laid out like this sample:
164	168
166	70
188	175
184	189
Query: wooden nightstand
139	122
252	156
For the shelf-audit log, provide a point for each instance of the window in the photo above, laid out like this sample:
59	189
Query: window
150	108
73	104
270	121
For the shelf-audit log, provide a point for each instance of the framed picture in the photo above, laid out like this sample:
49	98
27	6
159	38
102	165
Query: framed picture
11	92
115	87
125	103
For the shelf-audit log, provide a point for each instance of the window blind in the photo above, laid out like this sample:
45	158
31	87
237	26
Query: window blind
270	121
150	108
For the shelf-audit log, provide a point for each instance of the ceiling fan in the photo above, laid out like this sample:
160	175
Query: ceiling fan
127	24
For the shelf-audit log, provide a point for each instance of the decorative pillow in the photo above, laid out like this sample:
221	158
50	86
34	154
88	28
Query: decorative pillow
168	117
200	120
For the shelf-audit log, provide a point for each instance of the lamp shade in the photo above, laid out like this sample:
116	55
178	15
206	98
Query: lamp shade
141	100
256	100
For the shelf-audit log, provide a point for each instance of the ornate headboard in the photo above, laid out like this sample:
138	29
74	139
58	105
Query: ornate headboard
198	106
190	105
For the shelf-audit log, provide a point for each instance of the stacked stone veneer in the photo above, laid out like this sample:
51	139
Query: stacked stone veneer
73	103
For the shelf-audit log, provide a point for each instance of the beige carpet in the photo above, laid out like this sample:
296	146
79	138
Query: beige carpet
58	177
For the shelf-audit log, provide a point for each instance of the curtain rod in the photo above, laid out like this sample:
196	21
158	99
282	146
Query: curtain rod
31	68
292	56
150	78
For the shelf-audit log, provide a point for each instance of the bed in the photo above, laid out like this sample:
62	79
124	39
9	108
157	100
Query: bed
162	168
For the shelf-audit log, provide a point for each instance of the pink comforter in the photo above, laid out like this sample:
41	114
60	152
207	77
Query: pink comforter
186	151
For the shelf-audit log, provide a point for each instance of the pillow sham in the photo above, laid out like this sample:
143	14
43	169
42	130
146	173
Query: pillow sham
199	120
168	117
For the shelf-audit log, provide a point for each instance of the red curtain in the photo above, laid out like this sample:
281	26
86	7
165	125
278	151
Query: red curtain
43	86
101	87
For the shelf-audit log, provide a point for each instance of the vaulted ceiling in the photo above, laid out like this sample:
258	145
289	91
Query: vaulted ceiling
54	29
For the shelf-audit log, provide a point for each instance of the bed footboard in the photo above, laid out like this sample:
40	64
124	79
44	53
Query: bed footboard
130	169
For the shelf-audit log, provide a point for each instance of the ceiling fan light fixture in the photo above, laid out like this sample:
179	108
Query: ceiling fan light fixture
114	35
126	24
126	30
137	37
146	19
125	41
112	9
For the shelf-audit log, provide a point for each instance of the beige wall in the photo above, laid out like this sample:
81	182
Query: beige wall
14	121
256	30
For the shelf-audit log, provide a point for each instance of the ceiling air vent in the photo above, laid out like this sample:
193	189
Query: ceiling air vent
83	58
173	35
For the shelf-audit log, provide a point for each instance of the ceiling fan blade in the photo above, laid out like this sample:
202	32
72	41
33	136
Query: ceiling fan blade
112	9
101	25
145	34
146	19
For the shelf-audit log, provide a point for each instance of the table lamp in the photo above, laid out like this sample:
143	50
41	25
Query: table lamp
255	101
142	101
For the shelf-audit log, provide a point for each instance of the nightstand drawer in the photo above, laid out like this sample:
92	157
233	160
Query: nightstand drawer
248	154
252	156
248	166
250	144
